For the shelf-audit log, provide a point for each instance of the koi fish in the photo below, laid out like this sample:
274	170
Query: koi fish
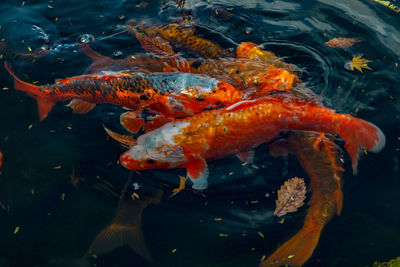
172	94
126	227
319	157
180	36
237	129
259	78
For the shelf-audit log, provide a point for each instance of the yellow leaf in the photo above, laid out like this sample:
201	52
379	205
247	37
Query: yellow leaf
290	256
63	196
260	234
173	251
57	167
223	235
282	221
33	191
359	63
135	196
16	230
180	187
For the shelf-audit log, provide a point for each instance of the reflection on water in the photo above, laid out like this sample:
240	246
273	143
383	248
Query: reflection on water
48	221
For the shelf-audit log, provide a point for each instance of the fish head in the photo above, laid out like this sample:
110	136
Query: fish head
142	158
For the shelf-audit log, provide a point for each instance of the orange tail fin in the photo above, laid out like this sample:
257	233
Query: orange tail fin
297	250
44	105
359	134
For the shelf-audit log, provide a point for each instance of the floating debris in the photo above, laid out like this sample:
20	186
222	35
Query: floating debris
291	196
57	167
222	13
358	63
248	30
181	186
341	42
16	230
74	179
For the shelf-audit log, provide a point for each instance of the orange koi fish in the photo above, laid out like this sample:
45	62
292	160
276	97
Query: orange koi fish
257	78
180	36
237	129
319	156
172	94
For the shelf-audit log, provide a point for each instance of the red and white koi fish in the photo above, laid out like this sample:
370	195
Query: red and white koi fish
172	94
237	129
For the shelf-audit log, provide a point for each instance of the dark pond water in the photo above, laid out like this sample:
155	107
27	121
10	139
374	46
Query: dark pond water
46	221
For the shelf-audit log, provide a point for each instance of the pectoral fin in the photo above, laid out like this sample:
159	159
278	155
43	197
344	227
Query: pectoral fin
198	173
80	106
132	121
124	140
247	156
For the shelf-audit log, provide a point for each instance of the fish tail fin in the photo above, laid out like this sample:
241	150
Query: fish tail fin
44	105
358	135
117	235
297	250
93	55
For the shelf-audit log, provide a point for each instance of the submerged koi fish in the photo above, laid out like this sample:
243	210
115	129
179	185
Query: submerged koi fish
237	129
172	94
320	158
180	36
247	75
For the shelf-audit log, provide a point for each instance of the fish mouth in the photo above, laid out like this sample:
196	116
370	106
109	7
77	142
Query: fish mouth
126	160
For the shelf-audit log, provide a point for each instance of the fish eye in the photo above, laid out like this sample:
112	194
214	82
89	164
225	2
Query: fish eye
150	161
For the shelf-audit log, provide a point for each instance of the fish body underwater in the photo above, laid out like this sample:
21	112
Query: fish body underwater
172	94
237	129
250	76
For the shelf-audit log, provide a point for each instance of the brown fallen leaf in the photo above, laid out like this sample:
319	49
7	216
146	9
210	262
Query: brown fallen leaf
291	196
341	42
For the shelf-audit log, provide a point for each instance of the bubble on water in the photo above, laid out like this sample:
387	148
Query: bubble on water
117	53
348	67
248	30
85	38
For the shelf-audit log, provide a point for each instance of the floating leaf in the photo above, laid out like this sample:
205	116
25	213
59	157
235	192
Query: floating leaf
63	196
181	186
260	234
341	42
223	235
359	63
291	196
173	251
1	159
16	230
74	179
